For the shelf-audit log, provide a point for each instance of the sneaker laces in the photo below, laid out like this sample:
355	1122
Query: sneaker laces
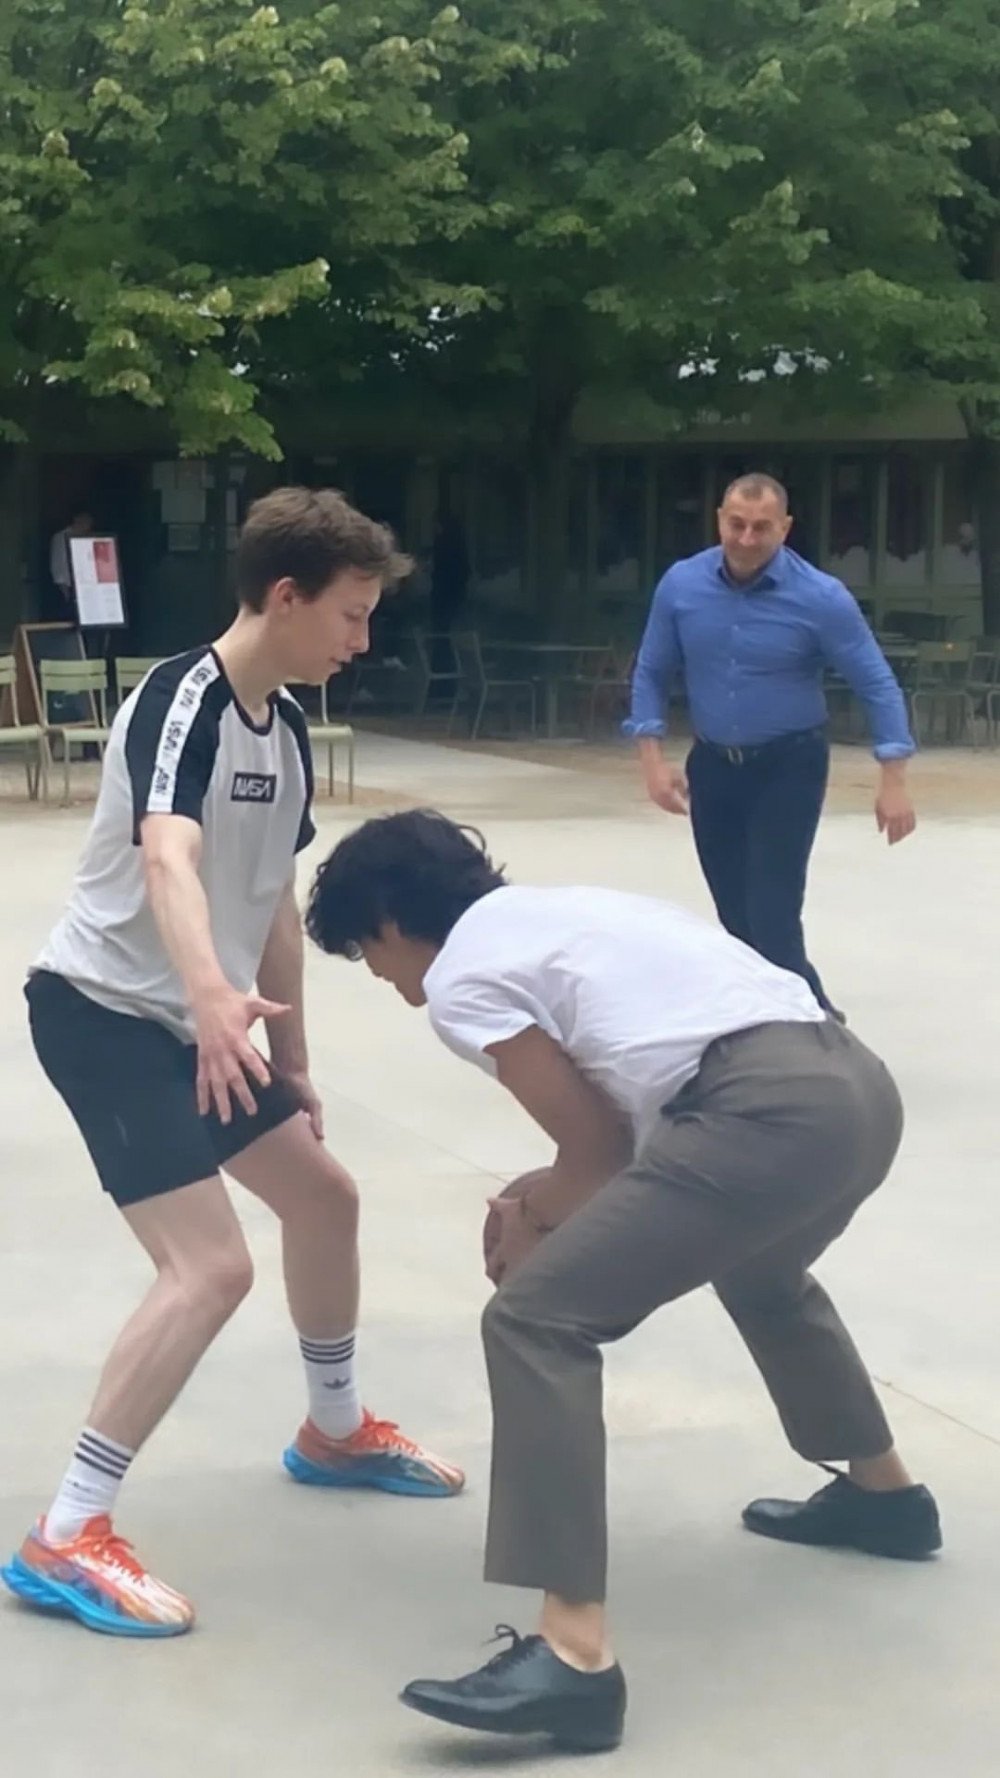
107	1546
384	1435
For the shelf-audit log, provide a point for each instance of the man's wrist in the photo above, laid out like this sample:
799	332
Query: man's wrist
202	990
289	1064
893	770
287	1060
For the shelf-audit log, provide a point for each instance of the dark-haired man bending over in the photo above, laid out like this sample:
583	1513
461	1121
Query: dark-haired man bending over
711	1124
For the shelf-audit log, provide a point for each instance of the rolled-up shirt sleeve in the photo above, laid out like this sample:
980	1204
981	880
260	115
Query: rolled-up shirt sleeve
656	663
849	646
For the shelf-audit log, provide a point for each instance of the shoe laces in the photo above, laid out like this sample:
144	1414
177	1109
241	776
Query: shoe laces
104	1543
840	1484
384	1435
518	1648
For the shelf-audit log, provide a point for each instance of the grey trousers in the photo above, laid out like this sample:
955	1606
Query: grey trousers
752	1171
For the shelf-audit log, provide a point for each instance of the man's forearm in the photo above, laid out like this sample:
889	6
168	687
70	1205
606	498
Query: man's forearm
650	751
180	909
280	978
573	1180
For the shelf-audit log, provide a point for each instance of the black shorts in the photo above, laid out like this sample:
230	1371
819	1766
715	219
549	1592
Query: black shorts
130	1085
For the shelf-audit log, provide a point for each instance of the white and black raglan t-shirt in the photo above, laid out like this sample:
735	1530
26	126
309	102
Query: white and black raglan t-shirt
183	745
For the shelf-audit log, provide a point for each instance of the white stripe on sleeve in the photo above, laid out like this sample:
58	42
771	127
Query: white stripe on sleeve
177	726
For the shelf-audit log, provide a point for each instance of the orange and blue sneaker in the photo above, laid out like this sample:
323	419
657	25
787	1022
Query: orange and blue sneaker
376	1456
98	1579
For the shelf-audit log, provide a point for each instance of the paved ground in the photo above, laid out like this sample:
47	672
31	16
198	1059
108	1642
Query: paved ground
744	1659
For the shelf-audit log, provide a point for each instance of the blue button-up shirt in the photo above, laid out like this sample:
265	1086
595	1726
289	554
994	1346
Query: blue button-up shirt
753	656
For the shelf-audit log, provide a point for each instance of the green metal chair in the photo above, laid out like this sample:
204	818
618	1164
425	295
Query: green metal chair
481	686
942	673
131	670
62	679
331	735
27	737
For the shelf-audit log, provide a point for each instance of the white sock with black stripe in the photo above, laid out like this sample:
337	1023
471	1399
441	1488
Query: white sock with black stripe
89	1487
334	1404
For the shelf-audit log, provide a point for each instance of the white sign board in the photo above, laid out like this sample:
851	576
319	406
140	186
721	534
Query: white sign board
97	582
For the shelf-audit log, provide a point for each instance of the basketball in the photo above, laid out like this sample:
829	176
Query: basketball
516	1189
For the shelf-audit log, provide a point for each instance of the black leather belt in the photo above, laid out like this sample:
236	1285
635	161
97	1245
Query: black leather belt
738	756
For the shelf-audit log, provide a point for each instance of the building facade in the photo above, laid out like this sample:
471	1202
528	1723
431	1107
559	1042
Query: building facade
886	505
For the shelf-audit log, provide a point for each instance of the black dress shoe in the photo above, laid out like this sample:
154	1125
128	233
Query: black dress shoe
528	1690
903	1523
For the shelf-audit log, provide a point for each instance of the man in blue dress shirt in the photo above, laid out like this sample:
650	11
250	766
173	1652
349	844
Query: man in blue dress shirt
750	627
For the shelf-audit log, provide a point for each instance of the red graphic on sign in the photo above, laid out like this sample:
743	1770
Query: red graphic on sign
105	564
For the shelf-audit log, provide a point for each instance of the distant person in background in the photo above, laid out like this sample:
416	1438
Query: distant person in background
751	627
60	567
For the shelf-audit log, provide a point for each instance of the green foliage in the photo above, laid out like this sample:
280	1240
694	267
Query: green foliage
733	184
209	206
176	176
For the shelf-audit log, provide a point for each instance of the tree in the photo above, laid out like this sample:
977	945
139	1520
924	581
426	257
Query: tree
675	194
952	51
176	176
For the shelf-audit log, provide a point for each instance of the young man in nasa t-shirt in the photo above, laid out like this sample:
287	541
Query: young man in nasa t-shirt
711	1126
182	931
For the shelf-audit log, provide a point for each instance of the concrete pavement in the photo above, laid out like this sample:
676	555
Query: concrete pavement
743	1658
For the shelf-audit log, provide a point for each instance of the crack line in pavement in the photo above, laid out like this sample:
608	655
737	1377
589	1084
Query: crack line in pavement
942	1413
454	1154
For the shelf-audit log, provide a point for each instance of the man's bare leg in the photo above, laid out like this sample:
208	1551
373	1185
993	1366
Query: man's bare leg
578	1634
203	1272
881	1475
73	1561
340	1445
316	1202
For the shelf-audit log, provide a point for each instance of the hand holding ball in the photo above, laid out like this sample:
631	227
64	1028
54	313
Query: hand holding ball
516	1189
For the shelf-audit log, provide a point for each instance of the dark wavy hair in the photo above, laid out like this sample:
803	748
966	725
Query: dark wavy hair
418	870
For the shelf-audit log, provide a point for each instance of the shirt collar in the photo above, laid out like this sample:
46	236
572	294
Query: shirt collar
764	582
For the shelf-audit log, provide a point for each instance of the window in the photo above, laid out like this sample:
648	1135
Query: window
852	519
500	532
621	524
906	520
680	510
958	563
379	489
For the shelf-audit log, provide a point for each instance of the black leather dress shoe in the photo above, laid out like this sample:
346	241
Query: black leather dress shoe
903	1523
528	1690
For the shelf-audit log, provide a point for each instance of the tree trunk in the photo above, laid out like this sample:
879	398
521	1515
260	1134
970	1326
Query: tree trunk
985	450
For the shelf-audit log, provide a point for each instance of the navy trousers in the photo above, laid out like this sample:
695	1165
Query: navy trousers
755	812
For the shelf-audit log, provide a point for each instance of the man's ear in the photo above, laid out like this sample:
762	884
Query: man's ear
281	595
